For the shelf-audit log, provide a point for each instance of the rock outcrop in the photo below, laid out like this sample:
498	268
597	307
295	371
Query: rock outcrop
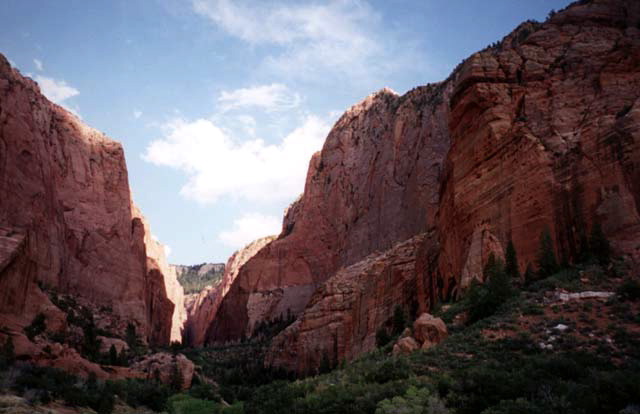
68	223
166	368
344	315
203	308
540	131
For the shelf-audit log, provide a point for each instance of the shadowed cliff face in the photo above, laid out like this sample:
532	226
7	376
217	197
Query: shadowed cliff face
204	307
537	132
68	221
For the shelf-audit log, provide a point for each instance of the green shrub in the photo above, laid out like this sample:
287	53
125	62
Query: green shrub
186	404
382	337
599	245
399	320
485	299
629	289
547	263
7	353
511	262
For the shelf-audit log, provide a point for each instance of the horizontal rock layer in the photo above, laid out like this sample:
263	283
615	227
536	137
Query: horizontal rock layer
537	132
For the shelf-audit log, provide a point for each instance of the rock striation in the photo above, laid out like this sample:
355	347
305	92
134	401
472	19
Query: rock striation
539	131
544	133
68	223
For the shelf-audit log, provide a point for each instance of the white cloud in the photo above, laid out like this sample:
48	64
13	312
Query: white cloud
38	64
217	165
56	90
248	228
271	98
137	114
167	250
342	36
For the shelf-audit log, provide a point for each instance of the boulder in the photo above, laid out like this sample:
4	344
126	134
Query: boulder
162	365
430	330
405	346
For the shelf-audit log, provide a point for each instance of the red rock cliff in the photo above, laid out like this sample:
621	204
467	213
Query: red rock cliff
544	134
374	183
67	218
544	131
205	306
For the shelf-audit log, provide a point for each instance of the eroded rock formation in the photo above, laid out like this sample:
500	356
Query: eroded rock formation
537	132
68	223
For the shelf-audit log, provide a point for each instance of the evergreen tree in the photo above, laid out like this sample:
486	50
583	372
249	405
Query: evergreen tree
176	377
485	299
599	245
529	274
122	357
399	320
113	355
91	343
547	262
511	261
325	363
490	268
382	337
7	353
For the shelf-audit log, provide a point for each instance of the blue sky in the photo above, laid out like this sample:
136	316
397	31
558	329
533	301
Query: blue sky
219	104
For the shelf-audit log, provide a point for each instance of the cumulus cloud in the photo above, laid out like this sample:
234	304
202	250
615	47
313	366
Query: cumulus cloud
271	98
248	228
217	165
137	114
38	64
310	39
56	90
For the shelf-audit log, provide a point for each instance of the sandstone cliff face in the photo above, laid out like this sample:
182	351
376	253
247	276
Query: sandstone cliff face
543	131
203	308
342	317
374	183
67	218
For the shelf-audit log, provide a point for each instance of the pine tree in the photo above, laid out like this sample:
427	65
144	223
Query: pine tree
176	377
399	320
113	355
547	262
7	353
529	274
599	245
325	363
511	258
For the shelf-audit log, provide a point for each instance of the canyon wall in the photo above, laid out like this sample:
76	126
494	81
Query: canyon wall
204	307
539	132
374	183
544	129
68	222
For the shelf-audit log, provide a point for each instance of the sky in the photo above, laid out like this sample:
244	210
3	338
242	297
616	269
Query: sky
220	104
